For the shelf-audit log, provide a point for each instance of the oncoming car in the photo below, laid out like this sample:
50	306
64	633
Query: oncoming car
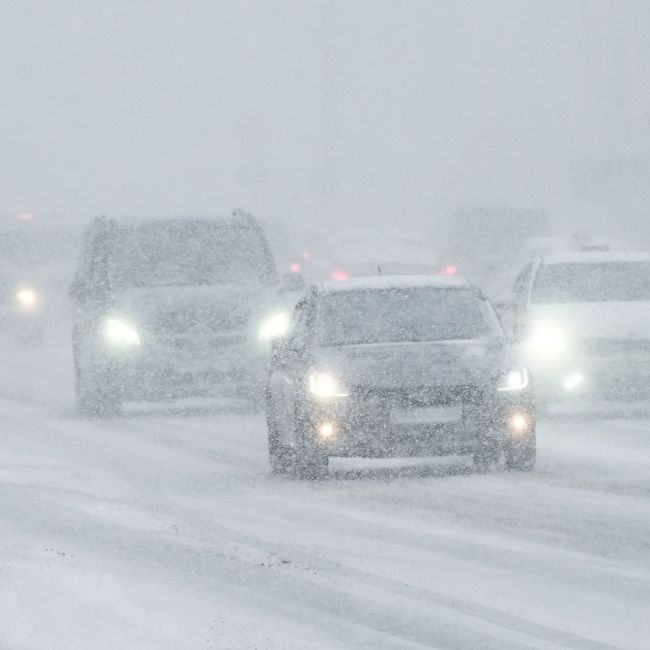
397	366
583	324
173	308
34	271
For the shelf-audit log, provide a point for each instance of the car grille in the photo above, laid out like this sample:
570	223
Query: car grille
604	347
202	322
418	396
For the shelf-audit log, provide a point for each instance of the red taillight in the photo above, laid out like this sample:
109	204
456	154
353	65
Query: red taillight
449	269
338	275
294	267
306	255
25	216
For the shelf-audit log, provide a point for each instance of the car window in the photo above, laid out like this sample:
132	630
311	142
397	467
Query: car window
301	325
596	282
400	315
188	253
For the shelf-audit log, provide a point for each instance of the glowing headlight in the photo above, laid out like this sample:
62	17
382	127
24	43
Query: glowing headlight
548	340
325	386
514	380
119	333
26	297
274	326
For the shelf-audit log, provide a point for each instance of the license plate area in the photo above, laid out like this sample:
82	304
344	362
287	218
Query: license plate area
427	415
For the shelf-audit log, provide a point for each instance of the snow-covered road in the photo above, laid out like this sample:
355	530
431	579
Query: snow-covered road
165	530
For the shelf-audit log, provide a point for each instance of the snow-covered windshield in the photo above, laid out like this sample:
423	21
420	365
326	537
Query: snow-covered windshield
188	253
597	282
395	315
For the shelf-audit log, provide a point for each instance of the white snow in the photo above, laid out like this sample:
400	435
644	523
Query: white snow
166	530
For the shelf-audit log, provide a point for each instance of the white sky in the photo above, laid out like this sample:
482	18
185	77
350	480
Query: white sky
347	109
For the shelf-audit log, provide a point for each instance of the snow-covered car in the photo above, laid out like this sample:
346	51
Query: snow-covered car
582	322
174	308
34	270
397	366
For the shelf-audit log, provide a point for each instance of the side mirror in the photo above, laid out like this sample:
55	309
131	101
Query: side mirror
292	282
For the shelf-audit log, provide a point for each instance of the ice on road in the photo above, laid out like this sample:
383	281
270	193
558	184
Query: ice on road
165	529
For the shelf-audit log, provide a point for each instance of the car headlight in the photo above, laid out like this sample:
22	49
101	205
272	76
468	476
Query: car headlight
325	385
26	297
274	326
514	380
120	333
548	340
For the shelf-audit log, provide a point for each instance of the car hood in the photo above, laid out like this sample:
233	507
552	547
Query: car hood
175	310
410	365
619	320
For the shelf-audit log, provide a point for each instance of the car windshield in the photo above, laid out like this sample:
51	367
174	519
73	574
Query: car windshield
395	315
597	282
189	253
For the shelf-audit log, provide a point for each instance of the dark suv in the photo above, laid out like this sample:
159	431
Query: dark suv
173	308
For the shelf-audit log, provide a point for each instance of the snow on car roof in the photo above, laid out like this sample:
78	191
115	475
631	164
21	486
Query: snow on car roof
596	257
395	282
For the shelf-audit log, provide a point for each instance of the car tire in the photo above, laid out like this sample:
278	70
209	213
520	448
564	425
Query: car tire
93	400
311	461
281	457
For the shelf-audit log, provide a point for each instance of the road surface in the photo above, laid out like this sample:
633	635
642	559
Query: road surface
164	529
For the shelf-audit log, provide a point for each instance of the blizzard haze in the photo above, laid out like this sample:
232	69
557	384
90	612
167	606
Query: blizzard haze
327	110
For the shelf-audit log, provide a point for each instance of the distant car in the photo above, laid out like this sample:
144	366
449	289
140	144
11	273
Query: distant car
34	272
488	245
397	366
583	324
173	308
356	254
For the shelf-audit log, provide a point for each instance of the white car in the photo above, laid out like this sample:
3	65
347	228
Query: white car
582	323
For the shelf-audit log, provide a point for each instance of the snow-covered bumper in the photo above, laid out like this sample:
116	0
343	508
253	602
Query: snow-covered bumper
603	370
420	422
162	369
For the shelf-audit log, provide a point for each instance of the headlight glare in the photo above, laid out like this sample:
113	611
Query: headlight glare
325	385
514	380
120	334
274	326
26	297
548	340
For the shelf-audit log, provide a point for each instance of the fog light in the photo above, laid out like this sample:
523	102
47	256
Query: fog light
519	423
326	430
573	381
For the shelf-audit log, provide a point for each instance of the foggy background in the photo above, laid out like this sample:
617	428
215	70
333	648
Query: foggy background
363	111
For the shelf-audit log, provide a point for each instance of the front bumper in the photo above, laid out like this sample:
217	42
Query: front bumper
365	423
155	372
622	377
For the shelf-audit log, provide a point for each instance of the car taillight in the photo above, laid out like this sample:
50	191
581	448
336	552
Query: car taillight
338	275
449	269
294	267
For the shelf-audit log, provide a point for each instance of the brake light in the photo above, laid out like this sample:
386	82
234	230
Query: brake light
449	269
294	267
338	275
25	216
306	255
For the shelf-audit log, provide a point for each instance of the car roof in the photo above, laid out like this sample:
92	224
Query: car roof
394	282
595	257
